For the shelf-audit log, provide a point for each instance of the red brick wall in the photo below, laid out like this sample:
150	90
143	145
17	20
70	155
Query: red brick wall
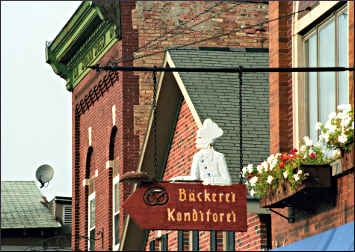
132	94
124	95
280	96
327	216
179	163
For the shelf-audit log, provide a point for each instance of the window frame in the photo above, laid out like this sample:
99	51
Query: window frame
91	197
115	181
299	25
333	17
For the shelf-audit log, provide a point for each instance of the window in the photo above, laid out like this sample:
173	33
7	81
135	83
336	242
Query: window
326	45
116	213
229	243
159	244
67	215
92	206
222	241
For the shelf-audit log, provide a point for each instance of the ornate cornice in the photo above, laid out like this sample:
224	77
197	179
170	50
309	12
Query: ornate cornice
86	37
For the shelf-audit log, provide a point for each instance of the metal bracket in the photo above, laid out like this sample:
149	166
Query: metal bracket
101	233
290	219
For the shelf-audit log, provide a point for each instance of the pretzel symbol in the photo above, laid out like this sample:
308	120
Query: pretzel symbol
156	195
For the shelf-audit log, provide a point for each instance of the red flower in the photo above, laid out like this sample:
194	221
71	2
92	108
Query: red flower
284	157
313	155
282	165
293	151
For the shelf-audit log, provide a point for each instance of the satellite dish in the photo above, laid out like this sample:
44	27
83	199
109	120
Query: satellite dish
44	174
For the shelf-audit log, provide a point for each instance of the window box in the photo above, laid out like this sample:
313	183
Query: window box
314	188
347	160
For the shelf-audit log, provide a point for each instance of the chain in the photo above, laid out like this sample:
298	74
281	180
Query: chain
240	74
155	122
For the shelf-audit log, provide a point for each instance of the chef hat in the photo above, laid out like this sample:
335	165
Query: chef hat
209	131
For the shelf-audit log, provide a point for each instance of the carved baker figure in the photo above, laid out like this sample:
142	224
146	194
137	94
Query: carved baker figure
208	165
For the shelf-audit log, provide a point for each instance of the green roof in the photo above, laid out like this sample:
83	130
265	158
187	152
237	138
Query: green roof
21	206
216	96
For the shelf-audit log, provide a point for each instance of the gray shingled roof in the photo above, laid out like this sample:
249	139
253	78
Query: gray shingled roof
216	96
21	206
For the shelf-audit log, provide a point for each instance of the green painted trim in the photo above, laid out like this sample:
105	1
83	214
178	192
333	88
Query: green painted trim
102	37
75	35
96	59
71	25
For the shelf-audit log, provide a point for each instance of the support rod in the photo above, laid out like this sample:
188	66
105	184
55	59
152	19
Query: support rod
222	70
290	219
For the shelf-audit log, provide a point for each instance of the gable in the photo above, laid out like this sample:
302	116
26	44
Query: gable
216	96
183	146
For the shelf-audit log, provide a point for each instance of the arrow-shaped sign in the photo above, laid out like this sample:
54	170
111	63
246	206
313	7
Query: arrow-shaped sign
182	206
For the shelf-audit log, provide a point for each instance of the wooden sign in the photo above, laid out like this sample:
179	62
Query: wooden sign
185	206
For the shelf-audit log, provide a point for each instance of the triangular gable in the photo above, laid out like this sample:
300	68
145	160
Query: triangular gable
205	95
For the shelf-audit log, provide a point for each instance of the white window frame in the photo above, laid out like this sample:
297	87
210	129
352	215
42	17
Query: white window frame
298	60
92	196
115	181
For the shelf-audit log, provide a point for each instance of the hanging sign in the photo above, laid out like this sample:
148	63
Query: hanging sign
185	206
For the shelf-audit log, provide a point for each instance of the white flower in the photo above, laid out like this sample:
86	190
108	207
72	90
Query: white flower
332	116
325	137
270	158
260	169
299	172
344	107
332	128
308	141
303	148
342	138
265	165
250	168
317	145
285	173
345	122
296	177
269	179
252	192
245	171
318	126
333	154
273	164
253	181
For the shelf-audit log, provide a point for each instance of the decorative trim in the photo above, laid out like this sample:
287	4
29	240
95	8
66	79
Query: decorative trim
109	164
184	91
61	54
96	92
85	182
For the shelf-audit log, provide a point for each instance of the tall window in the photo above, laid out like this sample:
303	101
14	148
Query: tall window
116	213
92	206
326	45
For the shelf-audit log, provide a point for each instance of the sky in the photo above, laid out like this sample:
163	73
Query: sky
36	120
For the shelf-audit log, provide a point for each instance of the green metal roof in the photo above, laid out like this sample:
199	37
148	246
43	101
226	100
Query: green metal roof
216	96
21	206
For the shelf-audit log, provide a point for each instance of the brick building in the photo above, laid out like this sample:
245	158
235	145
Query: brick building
320	36
111	109
184	101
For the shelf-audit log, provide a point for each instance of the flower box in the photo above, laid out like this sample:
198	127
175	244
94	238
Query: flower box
305	195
